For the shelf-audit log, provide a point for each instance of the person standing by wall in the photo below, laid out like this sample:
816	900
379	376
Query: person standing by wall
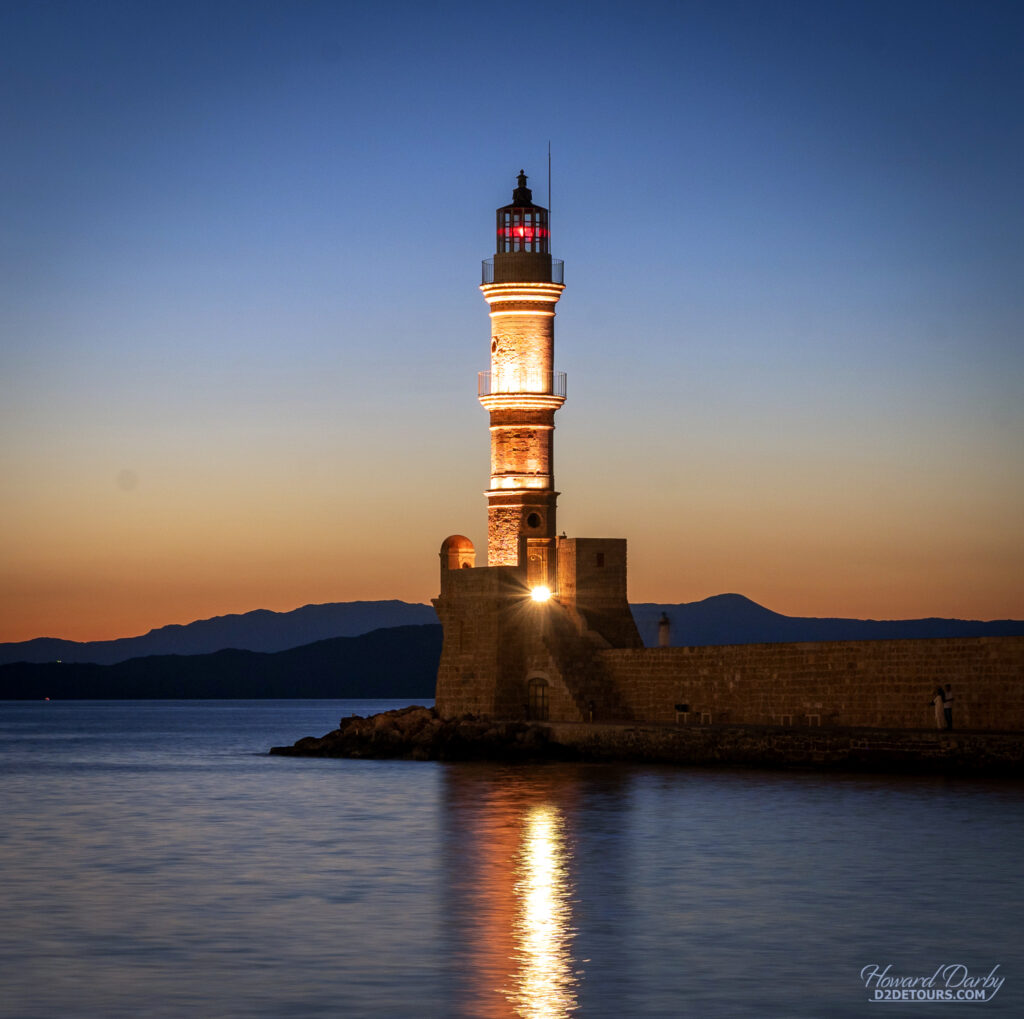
939	703
947	706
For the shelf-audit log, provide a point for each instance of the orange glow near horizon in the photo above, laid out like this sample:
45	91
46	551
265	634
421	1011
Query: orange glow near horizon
88	597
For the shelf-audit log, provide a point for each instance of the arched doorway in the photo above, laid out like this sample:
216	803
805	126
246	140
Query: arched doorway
537	699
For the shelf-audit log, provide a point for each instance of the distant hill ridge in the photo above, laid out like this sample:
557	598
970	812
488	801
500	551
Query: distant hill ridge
735	619
259	630
721	619
396	662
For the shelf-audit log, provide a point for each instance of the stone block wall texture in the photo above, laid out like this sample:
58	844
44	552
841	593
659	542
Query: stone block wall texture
521	450
592	572
508	515
995	754
592	583
469	608
504	526
523	343
883	683
495	640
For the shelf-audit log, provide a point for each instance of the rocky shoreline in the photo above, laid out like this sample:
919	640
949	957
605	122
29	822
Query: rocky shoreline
419	733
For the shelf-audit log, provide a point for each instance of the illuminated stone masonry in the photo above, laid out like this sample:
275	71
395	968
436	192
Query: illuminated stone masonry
521	389
521	632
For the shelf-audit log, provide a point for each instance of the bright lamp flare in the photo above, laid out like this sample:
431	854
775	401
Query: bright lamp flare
540	593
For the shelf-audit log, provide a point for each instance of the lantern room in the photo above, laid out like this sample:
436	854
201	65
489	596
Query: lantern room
522	226
522	253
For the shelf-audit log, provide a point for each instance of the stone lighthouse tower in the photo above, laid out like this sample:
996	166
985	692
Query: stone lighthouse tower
522	391
523	634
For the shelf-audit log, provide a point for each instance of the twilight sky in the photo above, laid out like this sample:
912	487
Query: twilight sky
239	323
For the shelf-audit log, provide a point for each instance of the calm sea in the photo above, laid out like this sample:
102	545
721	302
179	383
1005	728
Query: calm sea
154	861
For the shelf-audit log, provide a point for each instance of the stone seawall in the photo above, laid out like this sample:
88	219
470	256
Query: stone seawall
420	734
877	683
761	746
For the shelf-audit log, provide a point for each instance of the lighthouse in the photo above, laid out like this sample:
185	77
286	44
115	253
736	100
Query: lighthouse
523	634
521	391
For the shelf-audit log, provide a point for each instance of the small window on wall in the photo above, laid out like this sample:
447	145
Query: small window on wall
533	520
600	558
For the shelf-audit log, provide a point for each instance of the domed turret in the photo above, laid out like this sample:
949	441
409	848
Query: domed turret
457	553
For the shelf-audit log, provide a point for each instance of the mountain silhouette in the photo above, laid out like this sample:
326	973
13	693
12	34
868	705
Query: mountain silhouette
734	619
260	630
396	662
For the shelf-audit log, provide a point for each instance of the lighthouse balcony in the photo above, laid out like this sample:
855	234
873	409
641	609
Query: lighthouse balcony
522	267
519	381
527	389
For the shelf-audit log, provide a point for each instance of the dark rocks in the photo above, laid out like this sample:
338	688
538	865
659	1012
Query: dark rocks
418	733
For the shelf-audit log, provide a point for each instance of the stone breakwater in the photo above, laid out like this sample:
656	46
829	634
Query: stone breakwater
418	733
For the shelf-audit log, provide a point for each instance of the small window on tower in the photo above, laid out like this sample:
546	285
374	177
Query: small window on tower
533	520
600	558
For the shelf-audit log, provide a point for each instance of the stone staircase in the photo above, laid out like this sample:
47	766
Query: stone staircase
575	653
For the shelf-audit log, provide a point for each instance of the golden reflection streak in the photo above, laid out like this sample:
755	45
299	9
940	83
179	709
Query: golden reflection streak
544	982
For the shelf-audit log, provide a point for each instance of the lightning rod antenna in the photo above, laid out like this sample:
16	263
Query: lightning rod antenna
549	186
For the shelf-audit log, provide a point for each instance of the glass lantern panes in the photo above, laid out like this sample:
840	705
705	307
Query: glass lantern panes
522	229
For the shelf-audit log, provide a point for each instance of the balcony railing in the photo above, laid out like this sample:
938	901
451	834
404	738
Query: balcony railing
514	381
531	270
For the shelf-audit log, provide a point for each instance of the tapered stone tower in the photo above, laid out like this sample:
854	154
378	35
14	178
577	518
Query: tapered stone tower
522	634
522	284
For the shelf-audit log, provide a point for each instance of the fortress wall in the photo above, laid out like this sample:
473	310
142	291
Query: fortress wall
470	609
493	646
883	683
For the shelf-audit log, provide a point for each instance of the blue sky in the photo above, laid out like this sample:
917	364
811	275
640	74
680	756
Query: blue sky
239	326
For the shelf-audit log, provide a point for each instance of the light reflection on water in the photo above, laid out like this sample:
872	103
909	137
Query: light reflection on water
544	979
